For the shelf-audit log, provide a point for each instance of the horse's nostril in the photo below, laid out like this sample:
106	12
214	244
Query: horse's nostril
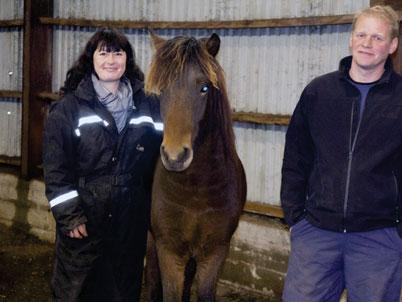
184	154
163	152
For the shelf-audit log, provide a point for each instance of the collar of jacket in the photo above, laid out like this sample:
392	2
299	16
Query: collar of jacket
86	91
346	63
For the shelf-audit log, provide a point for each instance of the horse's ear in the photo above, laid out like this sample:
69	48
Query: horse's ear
157	41
213	44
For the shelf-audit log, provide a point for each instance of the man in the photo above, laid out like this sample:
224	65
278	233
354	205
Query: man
342	174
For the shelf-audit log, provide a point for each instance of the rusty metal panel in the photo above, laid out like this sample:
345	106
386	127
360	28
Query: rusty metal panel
11	9
261	150
10	127
10	78
195	10
68	43
11	58
266	69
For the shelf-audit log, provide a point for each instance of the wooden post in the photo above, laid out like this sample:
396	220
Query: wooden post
397	56
37	69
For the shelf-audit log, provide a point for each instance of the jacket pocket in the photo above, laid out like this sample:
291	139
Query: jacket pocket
96	204
378	198
316	188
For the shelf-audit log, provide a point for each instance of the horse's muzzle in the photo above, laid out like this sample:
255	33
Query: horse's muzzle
176	161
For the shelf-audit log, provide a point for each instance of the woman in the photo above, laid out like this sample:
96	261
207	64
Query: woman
101	142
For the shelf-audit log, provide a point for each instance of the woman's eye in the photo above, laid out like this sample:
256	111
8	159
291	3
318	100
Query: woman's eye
204	89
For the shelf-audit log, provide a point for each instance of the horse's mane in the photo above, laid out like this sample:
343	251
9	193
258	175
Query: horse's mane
171	58
169	62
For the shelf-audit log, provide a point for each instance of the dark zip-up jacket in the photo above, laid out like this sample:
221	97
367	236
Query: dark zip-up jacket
339	172
96	176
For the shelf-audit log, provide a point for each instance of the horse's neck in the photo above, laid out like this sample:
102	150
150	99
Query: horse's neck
211	148
215	139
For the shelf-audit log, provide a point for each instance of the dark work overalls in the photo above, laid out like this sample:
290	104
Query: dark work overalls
96	176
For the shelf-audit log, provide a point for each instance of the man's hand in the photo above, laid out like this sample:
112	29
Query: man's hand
79	232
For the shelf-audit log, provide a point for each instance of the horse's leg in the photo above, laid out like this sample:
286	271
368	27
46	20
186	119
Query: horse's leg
172	271
208	269
153	277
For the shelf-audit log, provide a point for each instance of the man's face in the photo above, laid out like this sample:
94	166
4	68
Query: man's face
371	43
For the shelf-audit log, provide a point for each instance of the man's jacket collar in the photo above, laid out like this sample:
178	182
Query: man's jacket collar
346	63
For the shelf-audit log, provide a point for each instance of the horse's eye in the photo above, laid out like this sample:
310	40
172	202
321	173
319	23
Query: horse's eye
204	89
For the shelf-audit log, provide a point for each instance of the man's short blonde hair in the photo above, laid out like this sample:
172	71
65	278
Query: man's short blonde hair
384	12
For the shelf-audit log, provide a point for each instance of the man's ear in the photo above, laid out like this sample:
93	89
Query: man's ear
394	46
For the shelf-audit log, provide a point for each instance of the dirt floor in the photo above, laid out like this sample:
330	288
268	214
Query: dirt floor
26	264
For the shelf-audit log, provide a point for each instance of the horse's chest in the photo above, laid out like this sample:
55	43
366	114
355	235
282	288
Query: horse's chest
191	213
190	228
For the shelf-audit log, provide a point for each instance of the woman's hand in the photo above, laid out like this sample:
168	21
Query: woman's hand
79	232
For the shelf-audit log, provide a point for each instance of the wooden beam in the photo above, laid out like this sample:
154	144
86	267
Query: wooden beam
263	209
240	116
236	24
37	70
50	96
261	118
283	22
12	161
10	94
11	23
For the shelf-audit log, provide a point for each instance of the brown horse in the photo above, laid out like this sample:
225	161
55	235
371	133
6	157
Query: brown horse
199	184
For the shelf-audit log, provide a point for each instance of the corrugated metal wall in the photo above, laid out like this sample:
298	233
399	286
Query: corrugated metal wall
195	10
10	78
10	127
266	69
11	9
11	58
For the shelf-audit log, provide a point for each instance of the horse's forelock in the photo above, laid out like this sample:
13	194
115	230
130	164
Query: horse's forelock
170	60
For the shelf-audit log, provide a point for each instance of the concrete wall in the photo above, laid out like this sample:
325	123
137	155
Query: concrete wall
23	204
258	256
259	249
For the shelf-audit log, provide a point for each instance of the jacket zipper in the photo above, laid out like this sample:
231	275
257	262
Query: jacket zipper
396	186
352	145
396	197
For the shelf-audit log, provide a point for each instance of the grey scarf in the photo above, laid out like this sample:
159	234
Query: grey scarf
117	104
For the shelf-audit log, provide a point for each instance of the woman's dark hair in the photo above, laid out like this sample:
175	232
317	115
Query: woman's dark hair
108	39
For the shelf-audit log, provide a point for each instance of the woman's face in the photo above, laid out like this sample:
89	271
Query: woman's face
109	66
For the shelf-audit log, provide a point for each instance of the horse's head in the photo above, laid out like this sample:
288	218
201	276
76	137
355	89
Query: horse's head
184	73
